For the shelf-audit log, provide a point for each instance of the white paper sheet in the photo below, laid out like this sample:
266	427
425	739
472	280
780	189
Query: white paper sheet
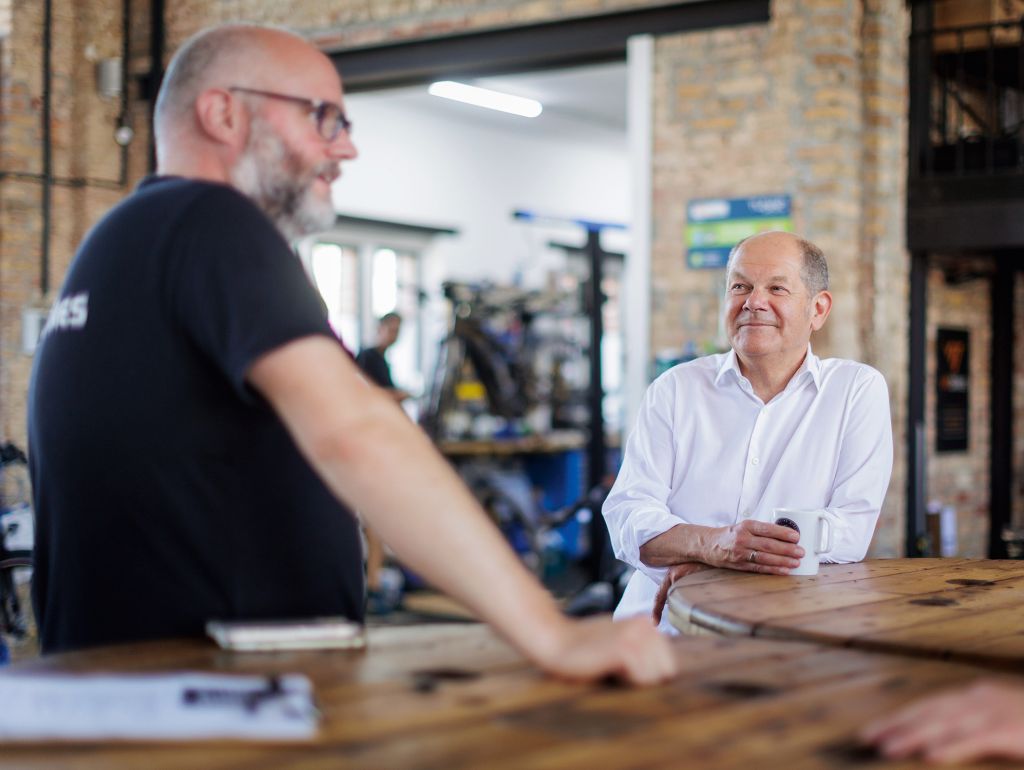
179	706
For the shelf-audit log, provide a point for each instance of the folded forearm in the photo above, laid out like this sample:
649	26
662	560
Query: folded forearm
684	542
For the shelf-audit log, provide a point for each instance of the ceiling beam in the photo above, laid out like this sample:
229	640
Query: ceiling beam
548	45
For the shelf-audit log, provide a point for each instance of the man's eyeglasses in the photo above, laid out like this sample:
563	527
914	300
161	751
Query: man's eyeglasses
330	118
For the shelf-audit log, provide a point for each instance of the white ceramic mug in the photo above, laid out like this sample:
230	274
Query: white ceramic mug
815	529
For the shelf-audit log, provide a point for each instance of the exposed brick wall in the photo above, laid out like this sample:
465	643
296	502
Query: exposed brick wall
82	129
718	131
884	262
812	104
83	124
335	23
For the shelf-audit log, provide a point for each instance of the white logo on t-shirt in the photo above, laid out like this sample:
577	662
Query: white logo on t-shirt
68	313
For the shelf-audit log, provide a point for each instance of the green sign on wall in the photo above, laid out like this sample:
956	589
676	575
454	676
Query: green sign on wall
715	225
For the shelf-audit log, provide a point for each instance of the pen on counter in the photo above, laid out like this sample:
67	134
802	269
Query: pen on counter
250	700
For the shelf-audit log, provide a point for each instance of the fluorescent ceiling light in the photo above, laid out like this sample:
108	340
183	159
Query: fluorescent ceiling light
484	97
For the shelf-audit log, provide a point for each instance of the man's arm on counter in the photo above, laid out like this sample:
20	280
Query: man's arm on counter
372	457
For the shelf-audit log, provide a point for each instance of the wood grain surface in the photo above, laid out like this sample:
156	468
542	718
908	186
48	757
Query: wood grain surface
458	697
968	610
556	441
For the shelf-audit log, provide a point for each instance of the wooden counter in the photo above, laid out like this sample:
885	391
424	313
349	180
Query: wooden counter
971	610
558	441
456	697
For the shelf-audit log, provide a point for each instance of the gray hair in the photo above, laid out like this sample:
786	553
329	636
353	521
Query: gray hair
199	63
813	272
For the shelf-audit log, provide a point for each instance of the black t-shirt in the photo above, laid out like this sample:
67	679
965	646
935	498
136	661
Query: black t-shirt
167	491
375	366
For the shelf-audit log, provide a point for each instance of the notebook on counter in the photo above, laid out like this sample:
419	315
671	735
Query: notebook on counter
269	635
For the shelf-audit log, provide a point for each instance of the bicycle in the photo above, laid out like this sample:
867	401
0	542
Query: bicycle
568	549
498	365
16	544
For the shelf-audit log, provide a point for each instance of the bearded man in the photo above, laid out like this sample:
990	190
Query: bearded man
195	427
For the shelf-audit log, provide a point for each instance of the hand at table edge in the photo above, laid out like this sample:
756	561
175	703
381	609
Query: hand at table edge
675	572
984	719
631	650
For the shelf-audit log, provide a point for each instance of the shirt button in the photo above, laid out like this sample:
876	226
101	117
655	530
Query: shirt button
754	461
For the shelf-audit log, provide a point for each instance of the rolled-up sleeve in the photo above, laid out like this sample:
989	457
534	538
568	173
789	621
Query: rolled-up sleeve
636	509
863	468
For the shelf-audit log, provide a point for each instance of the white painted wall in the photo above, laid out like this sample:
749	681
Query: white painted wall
444	165
637	323
428	161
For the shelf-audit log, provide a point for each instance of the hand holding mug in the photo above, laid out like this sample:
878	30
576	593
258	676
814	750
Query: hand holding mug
753	546
814	528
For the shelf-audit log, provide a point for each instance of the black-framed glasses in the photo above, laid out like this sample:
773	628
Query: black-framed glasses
330	118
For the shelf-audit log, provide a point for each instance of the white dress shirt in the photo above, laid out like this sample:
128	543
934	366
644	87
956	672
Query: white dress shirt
706	450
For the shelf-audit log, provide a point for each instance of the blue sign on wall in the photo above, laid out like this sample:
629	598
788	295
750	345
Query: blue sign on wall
715	225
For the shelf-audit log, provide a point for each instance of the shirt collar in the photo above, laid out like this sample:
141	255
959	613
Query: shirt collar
729	364
810	367
811	364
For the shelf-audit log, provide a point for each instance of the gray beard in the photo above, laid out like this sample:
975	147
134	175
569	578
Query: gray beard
274	178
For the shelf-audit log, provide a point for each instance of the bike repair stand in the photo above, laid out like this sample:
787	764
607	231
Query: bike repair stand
596	451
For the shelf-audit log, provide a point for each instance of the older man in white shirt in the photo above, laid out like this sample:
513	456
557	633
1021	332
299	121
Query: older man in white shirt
722	440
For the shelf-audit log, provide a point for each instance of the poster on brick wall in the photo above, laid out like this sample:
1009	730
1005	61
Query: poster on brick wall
715	225
951	390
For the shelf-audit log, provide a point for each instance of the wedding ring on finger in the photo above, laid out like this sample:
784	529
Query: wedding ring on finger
752	557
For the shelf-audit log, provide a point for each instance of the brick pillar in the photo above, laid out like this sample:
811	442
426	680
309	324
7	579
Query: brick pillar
811	104
82	126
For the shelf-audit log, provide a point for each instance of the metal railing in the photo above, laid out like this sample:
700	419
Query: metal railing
972	78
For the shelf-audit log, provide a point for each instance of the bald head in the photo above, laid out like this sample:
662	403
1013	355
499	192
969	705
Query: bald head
219	57
260	109
814	270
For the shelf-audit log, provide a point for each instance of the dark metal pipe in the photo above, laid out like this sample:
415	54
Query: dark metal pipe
47	189
959	122
1020	86
122	118
991	124
1001	400
916	450
596	462
919	143
156	71
920	152
47	176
